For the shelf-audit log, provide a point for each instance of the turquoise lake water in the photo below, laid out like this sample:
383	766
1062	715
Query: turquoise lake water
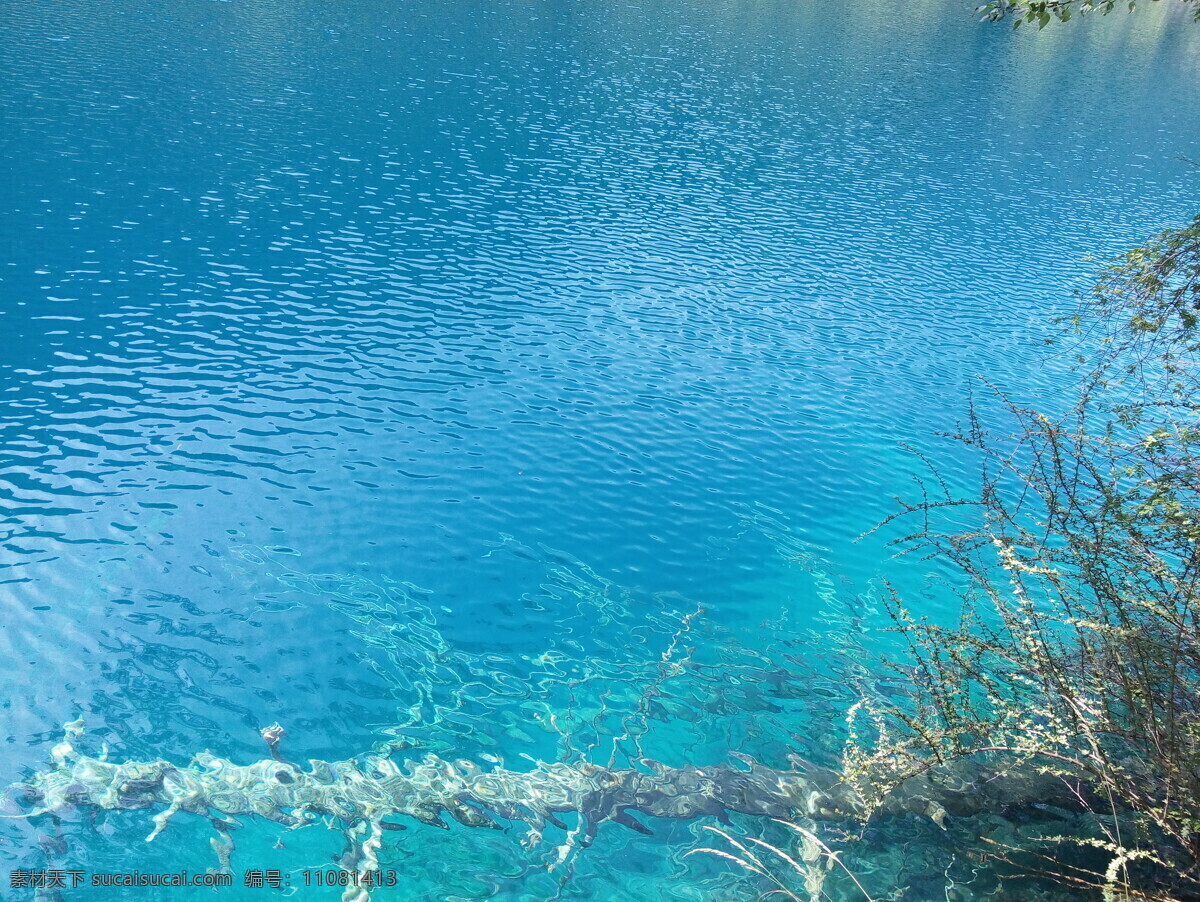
417	369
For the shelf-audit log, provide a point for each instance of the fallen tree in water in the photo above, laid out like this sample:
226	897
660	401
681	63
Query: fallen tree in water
365	797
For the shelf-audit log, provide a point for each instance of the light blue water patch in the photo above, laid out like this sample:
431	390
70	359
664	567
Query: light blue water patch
422	368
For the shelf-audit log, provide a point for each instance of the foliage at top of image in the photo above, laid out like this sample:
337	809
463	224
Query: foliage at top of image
1077	649
1043	12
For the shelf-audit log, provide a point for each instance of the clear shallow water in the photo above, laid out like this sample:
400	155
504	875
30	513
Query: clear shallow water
388	365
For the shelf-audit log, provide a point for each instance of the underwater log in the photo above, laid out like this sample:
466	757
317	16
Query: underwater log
364	796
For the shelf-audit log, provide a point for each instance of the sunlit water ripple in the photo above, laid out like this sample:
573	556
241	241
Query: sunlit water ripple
370	365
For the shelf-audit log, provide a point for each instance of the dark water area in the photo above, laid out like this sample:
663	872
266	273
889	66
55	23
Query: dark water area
383	367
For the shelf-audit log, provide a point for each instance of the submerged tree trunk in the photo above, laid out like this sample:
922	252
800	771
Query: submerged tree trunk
364	795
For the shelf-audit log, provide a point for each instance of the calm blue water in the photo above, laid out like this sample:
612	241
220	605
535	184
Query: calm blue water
417	367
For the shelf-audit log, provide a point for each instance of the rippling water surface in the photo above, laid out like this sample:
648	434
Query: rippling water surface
421	366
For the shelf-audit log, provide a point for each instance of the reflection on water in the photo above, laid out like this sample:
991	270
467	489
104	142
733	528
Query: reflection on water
517	379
